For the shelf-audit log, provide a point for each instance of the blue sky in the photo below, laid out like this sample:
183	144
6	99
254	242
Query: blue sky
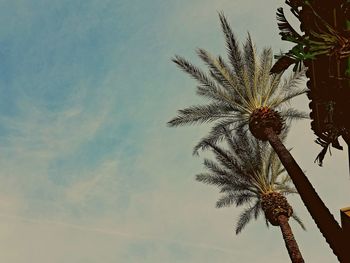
90	171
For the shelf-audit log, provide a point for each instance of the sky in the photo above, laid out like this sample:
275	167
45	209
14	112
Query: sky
90	172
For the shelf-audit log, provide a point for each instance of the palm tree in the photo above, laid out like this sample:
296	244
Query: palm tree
254	179
327	41
245	95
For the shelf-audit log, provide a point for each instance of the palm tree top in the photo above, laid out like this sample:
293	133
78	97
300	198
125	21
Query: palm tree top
245	176
236	89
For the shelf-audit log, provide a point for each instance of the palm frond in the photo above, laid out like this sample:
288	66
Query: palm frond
208	88
239	185
257	209
265	63
285	180
215	168
299	221
230	139
244	219
234	198
194	71
223	75
284	133
272	166
244	198
238	145
270	89
294	80
277	169
234	51
294	4
213	179
285	189
225	158
220	96
245	163
287	31
213	93
251	63
282	63
218	132
201	114
226	200
281	171
320	157
294	114
286	97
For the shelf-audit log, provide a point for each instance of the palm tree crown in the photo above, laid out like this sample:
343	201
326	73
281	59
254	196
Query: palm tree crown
240	93
253	178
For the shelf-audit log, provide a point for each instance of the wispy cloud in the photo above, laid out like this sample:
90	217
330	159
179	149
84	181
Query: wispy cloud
78	191
114	232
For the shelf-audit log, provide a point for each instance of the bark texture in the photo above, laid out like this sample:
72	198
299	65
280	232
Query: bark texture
262	118
324	220
289	240
275	204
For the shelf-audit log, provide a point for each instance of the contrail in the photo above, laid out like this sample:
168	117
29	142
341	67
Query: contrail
118	233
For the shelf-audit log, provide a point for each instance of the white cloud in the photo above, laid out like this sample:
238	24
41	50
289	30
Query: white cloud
95	180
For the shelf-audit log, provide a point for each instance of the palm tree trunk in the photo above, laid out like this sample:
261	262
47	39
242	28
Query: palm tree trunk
289	240
324	220
346	138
